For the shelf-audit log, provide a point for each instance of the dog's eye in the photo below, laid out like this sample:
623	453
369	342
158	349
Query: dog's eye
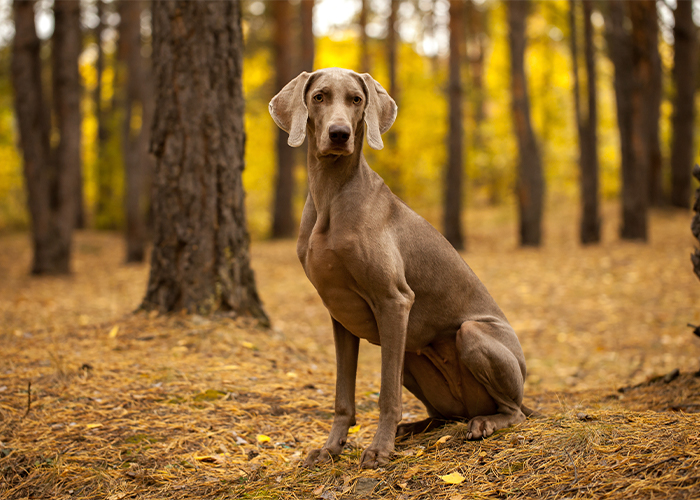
318	98
357	99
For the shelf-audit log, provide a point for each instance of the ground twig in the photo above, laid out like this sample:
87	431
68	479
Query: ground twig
29	398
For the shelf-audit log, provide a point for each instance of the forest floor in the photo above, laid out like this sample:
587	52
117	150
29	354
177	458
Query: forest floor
98	402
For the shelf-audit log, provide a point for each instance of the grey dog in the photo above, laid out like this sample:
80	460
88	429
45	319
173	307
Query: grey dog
387	276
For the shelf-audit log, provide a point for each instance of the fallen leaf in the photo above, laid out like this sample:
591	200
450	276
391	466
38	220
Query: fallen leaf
454	478
317	492
456	496
262	438
113	332
419	453
291	375
247	345
354	429
517	440
93	426
443	440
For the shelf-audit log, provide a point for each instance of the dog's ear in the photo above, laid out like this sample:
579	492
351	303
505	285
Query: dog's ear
380	111
289	110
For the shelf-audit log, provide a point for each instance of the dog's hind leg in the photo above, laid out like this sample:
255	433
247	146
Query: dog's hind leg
491	351
435	419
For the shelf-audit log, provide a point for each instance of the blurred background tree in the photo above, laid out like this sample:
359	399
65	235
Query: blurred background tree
586	120
636	68
52	164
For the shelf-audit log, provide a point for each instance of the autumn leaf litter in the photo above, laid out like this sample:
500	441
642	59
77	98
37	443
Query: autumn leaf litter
144	406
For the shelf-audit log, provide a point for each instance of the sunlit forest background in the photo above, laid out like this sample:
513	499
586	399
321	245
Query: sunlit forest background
414	168
218	380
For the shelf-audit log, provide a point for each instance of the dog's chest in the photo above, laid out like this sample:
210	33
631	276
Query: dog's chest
327	271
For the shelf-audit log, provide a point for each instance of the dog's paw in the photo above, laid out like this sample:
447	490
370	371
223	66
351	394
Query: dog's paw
481	427
373	458
316	457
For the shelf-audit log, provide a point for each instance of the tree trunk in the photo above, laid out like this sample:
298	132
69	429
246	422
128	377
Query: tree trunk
656	188
283	225
627	91
477	24
100	64
695	224
67	46
133	131
200	261
391	47
307	35
105	170
393	167
34	121
530	183
587	127
635	185
455	163
66	103
364	52
684	76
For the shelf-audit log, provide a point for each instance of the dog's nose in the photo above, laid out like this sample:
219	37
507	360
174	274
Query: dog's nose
339	134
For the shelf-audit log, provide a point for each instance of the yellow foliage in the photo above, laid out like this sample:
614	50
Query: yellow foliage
414	165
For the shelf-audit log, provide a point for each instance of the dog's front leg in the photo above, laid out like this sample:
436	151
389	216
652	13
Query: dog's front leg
392	320
346	349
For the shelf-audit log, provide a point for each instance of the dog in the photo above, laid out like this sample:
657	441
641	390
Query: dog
387	276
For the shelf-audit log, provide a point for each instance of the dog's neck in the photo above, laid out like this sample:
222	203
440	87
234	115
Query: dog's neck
327	175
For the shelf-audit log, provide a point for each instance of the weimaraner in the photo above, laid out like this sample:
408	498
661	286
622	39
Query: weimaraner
387	276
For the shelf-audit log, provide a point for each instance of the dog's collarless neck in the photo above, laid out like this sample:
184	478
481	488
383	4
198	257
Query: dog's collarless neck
329	175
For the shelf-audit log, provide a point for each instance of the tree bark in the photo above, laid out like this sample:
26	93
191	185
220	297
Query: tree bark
364	51
67	45
134	131
452	225
684	76
34	121
283	224
530	183
587	126
307	35
626	55
477	25
391	47
200	261
66	103
51	176
635	188
695	225
104	214
393	168
656	188
100	63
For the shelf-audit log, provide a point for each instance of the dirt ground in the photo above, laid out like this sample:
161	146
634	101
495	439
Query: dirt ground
98	402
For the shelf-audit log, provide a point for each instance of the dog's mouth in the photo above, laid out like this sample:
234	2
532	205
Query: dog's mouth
337	150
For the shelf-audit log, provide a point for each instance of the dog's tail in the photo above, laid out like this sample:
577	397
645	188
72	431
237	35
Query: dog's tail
530	413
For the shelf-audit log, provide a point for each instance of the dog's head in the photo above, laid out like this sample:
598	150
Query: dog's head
335	104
